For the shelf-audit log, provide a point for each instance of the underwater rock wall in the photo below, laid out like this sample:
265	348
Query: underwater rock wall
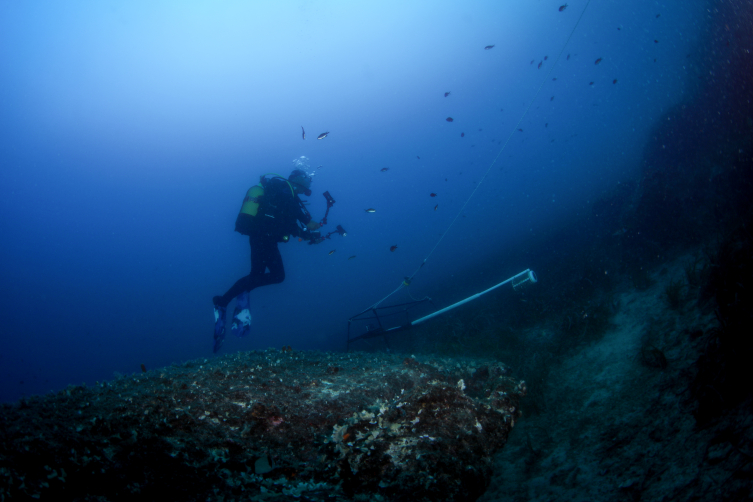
272	425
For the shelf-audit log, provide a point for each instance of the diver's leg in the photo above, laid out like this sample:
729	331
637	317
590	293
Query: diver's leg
241	285
246	283
272	261
264	254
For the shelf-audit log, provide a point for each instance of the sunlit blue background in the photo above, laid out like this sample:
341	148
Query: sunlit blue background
130	132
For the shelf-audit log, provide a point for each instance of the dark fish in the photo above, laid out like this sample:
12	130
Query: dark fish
303	132
540	63
656	41
546	125
432	194
435	207
598	61
384	169
331	252
449	119
551	99
532	61
488	47
568	57
351	257
614	81
393	248
446	94
371	210
590	83
554	78
521	130
419	158
546	57
322	135
462	135
657	16
563	7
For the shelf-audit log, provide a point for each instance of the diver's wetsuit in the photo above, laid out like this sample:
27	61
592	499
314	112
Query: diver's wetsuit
278	212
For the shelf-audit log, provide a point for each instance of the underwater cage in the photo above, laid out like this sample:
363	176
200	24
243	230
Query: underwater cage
378	321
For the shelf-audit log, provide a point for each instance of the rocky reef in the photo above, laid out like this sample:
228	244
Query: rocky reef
272	425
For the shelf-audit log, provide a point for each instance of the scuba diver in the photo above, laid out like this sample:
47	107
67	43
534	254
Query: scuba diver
270	213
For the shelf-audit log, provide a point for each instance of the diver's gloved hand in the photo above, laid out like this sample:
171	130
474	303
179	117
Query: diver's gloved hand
241	315
219	326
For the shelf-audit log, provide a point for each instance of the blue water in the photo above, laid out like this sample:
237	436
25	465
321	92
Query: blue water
130	133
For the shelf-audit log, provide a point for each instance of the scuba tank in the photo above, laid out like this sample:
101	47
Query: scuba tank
251	201
246	220
251	217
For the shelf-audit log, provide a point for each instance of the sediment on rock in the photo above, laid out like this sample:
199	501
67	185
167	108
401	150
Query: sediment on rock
268	424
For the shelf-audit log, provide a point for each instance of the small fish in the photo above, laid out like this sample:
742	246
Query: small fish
598	61
657	16
540	63
656	41
384	169
568	57
554	78
419	158
551	99
331	252
322	135
351	257
432	194
532	61
614	81
303	132
319	167
435	207
546	125
393	248
563	7
590	83
521	130
546	57
446	94
449	119
371	210
488	47
462	135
